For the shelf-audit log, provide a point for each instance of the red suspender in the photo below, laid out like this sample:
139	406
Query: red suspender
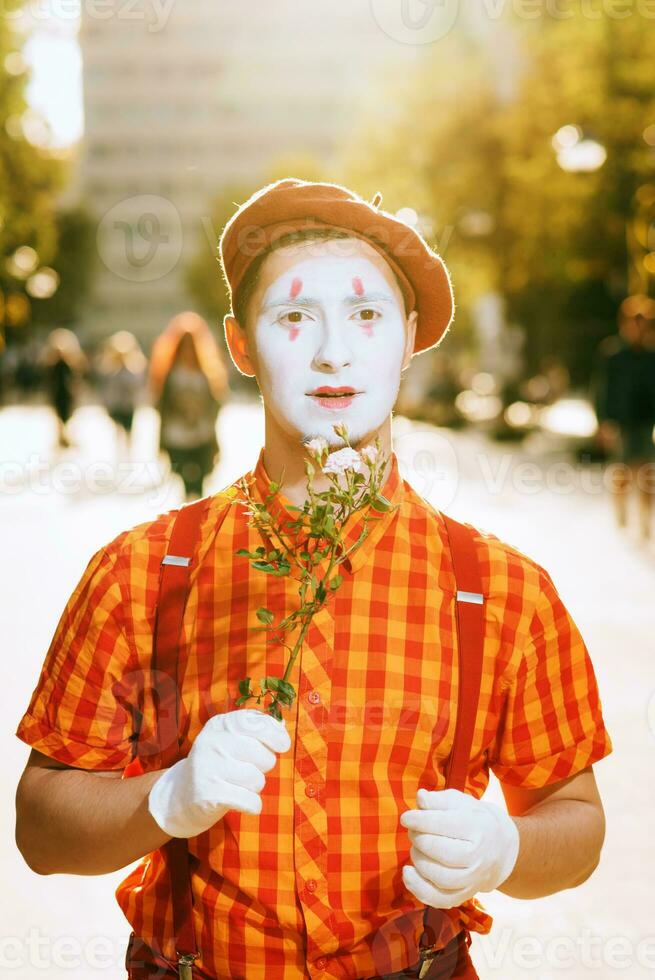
173	588
469	617
469	610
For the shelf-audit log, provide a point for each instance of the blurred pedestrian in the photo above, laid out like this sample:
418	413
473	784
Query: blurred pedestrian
64	363
623	391
188	384
25	369
120	374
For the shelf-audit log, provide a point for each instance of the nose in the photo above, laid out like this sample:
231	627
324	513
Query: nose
334	351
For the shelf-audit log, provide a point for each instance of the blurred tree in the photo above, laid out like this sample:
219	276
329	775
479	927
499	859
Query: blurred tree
483	166
30	177
74	264
571	263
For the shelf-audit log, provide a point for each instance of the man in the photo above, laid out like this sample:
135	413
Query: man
327	873
623	390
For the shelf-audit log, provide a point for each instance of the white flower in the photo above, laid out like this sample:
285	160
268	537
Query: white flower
370	454
317	447
342	460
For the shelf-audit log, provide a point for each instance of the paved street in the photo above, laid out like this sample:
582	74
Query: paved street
55	511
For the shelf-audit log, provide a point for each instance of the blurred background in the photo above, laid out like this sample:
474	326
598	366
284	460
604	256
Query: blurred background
519	138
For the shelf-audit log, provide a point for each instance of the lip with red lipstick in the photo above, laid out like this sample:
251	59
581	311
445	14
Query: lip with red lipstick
330	397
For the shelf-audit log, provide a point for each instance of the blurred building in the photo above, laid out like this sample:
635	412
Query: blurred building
181	98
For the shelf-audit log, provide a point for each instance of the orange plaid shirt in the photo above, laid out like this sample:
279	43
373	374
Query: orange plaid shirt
312	885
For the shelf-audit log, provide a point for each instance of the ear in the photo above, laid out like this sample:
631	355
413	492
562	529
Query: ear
237	343
412	321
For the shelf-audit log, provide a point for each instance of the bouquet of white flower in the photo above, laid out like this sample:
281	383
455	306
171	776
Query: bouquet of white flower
323	517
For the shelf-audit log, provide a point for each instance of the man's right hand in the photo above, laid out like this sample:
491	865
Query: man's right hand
223	771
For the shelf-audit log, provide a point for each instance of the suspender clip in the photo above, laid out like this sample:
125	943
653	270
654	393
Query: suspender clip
476	597
185	965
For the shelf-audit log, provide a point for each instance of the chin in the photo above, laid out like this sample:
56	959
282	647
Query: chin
361	431
356	437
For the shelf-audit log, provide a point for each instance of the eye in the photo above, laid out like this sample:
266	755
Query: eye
291	316
366	310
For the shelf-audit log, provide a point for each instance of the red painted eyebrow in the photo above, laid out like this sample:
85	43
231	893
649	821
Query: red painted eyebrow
296	286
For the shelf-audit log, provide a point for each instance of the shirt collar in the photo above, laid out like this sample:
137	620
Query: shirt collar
378	521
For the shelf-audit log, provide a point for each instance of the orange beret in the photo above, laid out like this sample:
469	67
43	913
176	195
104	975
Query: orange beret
291	204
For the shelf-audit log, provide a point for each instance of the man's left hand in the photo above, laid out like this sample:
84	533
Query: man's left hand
460	846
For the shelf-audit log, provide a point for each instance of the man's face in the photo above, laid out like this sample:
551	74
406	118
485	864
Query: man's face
328	313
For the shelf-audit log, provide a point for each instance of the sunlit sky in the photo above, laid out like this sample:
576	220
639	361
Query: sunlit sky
55	87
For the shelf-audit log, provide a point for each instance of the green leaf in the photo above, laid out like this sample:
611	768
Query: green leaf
265	616
336	582
287	688
272	683
242	700
264	566
260	551
380	503
243	551
275	711
244	686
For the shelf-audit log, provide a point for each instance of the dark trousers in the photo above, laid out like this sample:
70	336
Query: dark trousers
193	465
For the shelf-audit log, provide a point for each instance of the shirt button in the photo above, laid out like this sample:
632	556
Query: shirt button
310	790
311	887
320	963
314	697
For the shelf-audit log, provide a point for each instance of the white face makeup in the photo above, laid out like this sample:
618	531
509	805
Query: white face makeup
328	314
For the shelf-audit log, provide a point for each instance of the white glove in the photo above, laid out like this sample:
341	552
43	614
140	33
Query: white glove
223	771
460	846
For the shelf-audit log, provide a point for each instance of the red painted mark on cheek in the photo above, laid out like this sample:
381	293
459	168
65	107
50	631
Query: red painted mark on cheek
293	332
367	328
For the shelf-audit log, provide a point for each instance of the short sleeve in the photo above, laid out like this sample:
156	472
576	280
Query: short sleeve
551	724
78	713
